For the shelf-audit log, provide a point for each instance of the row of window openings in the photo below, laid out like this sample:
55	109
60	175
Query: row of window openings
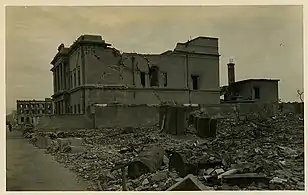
154	80
72	109
33	111
72	83
22	119
32	106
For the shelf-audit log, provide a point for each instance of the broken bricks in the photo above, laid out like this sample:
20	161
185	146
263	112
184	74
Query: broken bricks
230	140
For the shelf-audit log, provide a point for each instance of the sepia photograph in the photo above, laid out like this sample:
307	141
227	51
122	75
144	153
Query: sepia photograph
154	98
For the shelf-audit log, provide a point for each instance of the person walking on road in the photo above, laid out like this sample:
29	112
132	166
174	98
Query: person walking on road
10	125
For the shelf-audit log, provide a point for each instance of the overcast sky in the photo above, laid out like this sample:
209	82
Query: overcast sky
266	41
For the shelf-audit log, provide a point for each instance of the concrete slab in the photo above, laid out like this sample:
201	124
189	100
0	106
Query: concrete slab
42	142
75	141
189	183
77	149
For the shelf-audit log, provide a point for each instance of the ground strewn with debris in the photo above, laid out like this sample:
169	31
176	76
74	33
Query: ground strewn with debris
267	153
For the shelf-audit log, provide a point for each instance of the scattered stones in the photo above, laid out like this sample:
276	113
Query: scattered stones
219	171
278	180
236	146
189	183
229	172
209	171
145	182
159	176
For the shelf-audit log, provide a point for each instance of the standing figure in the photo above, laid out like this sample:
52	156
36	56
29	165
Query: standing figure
10	125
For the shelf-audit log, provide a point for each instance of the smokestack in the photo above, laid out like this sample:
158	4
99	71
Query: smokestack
231	73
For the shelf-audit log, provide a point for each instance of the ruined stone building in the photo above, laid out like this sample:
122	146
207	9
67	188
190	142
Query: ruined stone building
29	111
255	90
90	71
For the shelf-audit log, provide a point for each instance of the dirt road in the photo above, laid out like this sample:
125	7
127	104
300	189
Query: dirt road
30	169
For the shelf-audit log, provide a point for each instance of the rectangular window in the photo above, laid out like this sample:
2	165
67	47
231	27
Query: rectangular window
75	82
79	108
257	92
71	80
153	75
79	82
67	80
195	80
62	107
165	79
75	109
22	119
142	78
61	76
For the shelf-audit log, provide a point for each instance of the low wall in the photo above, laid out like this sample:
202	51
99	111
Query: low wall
141	115
242	108
124	116
294	107
63	122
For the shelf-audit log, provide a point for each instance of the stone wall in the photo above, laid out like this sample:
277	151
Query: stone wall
64	122
294	107
242	108
124	116
114	115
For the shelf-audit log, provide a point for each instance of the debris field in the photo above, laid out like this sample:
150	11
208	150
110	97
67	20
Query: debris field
253	154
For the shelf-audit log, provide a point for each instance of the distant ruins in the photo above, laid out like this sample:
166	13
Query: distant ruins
29	111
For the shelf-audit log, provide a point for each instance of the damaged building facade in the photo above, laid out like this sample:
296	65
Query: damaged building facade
29	111
250	90
90	72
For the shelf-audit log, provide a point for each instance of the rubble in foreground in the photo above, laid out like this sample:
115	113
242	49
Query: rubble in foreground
268	154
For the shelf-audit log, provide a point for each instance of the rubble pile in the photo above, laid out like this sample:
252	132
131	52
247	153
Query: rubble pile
259	154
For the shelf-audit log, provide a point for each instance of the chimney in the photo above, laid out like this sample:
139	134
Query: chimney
231	73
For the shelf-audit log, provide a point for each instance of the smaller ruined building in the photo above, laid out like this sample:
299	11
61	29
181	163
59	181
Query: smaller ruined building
29	111
250	90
